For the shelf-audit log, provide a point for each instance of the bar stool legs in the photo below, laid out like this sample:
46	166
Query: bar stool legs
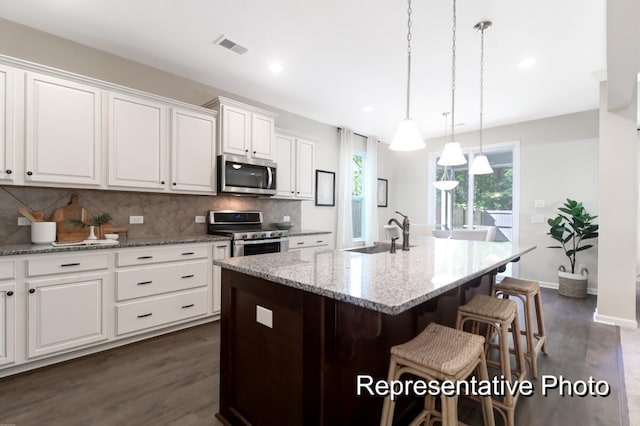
439	353
502	316
529	293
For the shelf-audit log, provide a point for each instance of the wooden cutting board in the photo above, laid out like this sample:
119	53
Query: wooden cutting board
66	233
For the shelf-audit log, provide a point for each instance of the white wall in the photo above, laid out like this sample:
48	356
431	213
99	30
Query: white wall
558	160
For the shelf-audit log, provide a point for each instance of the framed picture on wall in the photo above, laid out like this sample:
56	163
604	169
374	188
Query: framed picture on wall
325	188
383	192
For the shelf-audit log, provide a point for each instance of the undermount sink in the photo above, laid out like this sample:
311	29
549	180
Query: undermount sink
376	248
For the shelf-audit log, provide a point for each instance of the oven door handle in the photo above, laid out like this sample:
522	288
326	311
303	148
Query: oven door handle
264	241
270	181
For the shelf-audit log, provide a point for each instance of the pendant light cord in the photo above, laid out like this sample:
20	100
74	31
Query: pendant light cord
408	55
481	82
453	73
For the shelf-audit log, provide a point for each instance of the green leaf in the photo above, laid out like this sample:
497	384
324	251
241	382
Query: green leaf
568	238
583	248
554	247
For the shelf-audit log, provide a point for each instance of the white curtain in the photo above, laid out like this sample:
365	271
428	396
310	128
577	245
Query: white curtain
344	233
371	225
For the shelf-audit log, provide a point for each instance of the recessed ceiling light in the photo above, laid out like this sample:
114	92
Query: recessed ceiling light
529	62
275	67
367	108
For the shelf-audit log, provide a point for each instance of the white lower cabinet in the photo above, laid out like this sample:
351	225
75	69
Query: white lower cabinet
220	251
66	313
315	242
156	311
7	323
161	286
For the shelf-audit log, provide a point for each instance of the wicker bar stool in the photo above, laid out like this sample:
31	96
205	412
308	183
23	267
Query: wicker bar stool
529	293
439	353
502	316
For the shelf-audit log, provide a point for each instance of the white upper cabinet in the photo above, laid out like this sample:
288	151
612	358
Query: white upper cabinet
285	158
295	158
244	129
137	142
193	153
304	168
63	131
7	171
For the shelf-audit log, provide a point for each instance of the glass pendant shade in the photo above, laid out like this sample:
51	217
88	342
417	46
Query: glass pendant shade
480	166
452	155
445	185
407	137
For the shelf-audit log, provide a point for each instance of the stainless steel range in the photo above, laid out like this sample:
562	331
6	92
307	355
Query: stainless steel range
248	235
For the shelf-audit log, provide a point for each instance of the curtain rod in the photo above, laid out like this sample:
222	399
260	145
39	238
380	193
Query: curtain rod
358	134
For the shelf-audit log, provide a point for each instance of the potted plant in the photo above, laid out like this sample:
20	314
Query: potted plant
96	222
571	228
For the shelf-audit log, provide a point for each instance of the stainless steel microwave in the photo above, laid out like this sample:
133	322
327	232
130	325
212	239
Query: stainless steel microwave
246	176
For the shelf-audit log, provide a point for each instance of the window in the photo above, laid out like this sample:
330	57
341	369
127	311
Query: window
357	195
487	200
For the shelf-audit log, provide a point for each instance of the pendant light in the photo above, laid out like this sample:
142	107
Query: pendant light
452	154
480	165
407	137
446	182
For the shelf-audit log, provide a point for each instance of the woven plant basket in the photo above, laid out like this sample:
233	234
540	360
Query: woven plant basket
572	285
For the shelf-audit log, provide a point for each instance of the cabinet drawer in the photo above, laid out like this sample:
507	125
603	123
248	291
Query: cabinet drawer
7	270
309	241
150	281
156	255
134	316
66	264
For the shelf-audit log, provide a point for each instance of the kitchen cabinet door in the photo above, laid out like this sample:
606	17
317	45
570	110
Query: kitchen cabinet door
7	323
285	157
6	124
262	136
304	169
137	142
193	155
236	130
63	125
221	250
66	313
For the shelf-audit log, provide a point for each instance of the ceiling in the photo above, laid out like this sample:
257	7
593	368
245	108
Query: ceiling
341	55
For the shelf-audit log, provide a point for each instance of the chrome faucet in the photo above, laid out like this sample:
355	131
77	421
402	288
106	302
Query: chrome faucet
405	229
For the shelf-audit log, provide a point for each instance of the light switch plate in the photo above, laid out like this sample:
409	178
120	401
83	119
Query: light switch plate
286	219
201	219
537	218
264	316
136	220
539	203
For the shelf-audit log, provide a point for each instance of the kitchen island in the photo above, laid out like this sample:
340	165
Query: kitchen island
299	327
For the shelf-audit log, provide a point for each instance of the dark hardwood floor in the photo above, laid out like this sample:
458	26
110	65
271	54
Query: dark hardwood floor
173	379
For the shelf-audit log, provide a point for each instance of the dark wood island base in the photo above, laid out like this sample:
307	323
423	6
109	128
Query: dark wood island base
303	370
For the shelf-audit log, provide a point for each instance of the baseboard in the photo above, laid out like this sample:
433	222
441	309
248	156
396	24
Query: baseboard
545	284
620	322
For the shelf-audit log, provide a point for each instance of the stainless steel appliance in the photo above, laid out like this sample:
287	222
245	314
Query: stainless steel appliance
246	176
248	236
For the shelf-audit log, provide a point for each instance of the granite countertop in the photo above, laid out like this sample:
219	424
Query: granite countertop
306	232
384	282
19	249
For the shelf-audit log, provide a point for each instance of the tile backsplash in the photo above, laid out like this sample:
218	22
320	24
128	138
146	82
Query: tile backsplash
165	215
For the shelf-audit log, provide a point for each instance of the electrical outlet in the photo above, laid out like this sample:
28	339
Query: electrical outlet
286	219
537	218
201	219
136	220
264	316
539	203
23	221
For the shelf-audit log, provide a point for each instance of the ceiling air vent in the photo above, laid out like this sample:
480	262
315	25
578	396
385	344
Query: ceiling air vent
231	45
